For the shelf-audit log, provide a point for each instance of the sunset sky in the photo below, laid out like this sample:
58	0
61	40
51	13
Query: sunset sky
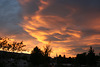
68	26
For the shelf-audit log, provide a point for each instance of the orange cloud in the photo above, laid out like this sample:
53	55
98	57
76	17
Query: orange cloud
63	24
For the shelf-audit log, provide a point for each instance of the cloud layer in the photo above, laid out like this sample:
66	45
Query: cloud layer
70	25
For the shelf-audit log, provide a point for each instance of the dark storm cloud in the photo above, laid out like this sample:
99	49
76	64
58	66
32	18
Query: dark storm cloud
61	37
89	32
43	29
30	6
82	4
78	50
10	16
66	7
10	12
51	38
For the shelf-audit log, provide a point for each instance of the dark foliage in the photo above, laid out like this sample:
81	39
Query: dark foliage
46	53
37	57
81	58
15	46
91	58
87	59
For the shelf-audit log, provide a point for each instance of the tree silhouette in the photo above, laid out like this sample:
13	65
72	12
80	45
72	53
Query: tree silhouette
36	56
15	46
47	51
91	57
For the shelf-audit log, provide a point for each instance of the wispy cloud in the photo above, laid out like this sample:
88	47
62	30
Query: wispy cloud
70	25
